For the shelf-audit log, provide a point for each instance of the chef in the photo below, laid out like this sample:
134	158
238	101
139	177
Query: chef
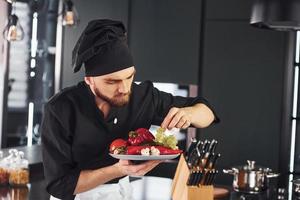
81	121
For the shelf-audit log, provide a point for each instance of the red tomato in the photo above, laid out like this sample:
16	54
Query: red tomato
118	144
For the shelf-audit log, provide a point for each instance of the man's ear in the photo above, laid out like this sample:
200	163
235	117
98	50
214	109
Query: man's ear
88	80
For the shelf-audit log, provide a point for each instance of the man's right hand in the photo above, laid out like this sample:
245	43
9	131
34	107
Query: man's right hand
126	167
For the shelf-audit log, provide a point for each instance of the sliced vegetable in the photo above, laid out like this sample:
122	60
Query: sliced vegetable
140	136
167	151
136	150
146	134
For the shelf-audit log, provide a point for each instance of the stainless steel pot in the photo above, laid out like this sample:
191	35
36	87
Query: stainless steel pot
250	178
296	189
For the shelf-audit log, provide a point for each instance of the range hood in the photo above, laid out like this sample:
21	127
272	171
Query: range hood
283	15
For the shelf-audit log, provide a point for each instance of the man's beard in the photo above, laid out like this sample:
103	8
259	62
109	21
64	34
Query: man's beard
116	101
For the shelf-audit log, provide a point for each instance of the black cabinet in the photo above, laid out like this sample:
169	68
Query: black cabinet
228	10
164	39
243	74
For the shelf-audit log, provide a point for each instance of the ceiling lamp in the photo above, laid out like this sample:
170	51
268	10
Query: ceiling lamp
282	15
13	31
70	15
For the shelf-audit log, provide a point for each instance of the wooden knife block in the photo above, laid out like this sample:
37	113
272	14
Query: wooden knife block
180	191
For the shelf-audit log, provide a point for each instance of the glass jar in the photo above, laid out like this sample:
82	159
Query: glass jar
4	170
19	172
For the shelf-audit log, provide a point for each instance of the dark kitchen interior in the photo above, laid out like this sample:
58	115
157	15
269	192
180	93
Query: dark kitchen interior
248	70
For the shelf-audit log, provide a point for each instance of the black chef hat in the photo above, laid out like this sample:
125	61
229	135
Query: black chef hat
102	48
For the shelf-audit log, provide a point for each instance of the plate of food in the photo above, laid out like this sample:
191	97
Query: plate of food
141	157
143	145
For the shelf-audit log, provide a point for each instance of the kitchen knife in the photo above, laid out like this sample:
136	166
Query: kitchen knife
193	177
199	147
204	153
213	161
213	146
209	160
205	146
213	177
209	154
206	159
205	178
193	159
198	179
209	177
197	159
190	148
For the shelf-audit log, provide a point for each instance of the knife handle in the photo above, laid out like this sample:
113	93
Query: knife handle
192	159
206	160
213	161
204	177
199	147
213	177
190	148
199	177
190	179
213	145
206	146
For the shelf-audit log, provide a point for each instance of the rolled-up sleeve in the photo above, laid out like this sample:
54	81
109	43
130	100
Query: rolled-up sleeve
164	101
60	170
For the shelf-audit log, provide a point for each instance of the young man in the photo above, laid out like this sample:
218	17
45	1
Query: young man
81	121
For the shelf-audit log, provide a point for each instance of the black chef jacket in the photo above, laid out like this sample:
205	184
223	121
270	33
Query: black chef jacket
75	135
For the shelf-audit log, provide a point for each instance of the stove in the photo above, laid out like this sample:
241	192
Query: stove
270	194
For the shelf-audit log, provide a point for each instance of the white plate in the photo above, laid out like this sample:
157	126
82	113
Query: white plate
141	157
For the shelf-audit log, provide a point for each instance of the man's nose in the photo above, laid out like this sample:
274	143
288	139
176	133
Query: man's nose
123	87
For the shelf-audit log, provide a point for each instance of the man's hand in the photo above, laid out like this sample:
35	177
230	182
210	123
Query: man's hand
89	179
177	118
127	168
198	115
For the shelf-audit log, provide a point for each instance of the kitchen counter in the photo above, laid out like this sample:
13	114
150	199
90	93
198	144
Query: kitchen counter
36	189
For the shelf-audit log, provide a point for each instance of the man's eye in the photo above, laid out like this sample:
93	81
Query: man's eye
110	82
130	77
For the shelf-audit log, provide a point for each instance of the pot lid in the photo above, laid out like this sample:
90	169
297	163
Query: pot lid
250	166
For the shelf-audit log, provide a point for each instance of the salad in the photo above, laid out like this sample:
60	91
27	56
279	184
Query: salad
143	142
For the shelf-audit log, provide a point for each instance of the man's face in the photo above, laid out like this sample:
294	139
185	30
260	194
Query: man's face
114	88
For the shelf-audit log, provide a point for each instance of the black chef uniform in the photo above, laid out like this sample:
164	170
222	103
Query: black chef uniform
75	135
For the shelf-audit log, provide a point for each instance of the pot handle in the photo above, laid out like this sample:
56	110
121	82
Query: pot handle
229	171
272	175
